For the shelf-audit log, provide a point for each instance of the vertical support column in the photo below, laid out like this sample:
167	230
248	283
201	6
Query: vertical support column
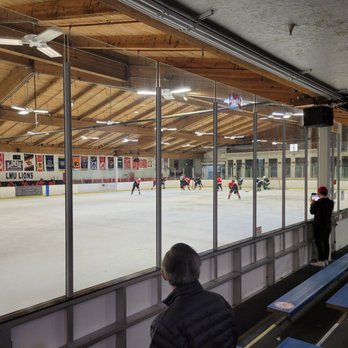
283	171
121	316
254	167
68	178
215	162
237	281
324	157
158	179
270	268
69	240
306	176
296	252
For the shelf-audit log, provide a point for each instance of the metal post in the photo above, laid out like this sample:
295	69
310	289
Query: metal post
158	170
283	171
68	180
306	175
69	240
215	162
254	167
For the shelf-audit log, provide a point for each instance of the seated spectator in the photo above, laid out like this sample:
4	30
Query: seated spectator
40	182
195	318
25	183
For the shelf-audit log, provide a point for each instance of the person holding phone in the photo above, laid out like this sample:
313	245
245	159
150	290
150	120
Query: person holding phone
321	208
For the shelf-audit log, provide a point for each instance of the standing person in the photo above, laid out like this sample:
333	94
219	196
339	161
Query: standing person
136	185
233	189
195	318
322	211
219	183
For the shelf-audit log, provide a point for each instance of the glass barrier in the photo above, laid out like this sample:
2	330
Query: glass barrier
268	185
295	167
32	255
187	124
114	207
235	153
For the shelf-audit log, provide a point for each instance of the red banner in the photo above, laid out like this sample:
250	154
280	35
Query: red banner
39	163
102	163
1	162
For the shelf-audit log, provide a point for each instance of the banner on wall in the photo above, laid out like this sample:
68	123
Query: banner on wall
126	163
120	162
149	164
39	163
61	163
94	162
49	163
28	162
76	162
14	166
102	163
111	163
135	164
2	162
84	162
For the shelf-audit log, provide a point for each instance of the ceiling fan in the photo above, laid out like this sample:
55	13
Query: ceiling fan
39	41
25	110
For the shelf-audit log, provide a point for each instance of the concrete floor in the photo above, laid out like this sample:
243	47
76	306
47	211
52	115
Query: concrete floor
114	235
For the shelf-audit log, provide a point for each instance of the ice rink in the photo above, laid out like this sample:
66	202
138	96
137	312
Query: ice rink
115	234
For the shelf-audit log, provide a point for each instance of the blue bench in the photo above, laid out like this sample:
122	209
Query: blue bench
339	300
298	297
290	342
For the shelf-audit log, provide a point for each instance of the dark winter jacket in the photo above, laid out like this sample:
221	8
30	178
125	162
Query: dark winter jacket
195	318
322	211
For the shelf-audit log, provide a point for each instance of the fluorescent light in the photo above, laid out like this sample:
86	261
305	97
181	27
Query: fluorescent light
298	114
145	92
187	145
164	143
182	90
12	42
277	114
23	112
84	137
48	51
232	137
126	140
109	123
199	133
287	115
37	133
185	98
167	129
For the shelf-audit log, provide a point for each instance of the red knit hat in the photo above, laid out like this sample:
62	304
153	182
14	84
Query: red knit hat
322	190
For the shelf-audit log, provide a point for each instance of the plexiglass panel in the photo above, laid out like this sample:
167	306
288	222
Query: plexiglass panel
114	207
268	185
187	122
32	248
235	153
295	166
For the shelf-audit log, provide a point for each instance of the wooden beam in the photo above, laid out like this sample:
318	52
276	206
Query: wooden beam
16	78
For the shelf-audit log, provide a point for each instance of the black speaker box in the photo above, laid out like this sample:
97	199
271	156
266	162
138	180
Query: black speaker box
318	116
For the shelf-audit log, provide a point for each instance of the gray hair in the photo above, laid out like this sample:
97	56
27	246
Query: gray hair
181	265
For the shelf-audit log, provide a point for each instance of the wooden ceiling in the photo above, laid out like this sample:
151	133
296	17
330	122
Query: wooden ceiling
113	52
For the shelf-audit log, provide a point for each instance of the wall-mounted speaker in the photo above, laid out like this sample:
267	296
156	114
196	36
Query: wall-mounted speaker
318	116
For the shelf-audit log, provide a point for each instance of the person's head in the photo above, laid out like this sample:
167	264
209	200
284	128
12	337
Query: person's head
181	265
322	190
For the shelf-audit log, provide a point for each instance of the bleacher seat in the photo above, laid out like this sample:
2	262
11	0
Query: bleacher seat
298	297
290	342
339	300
